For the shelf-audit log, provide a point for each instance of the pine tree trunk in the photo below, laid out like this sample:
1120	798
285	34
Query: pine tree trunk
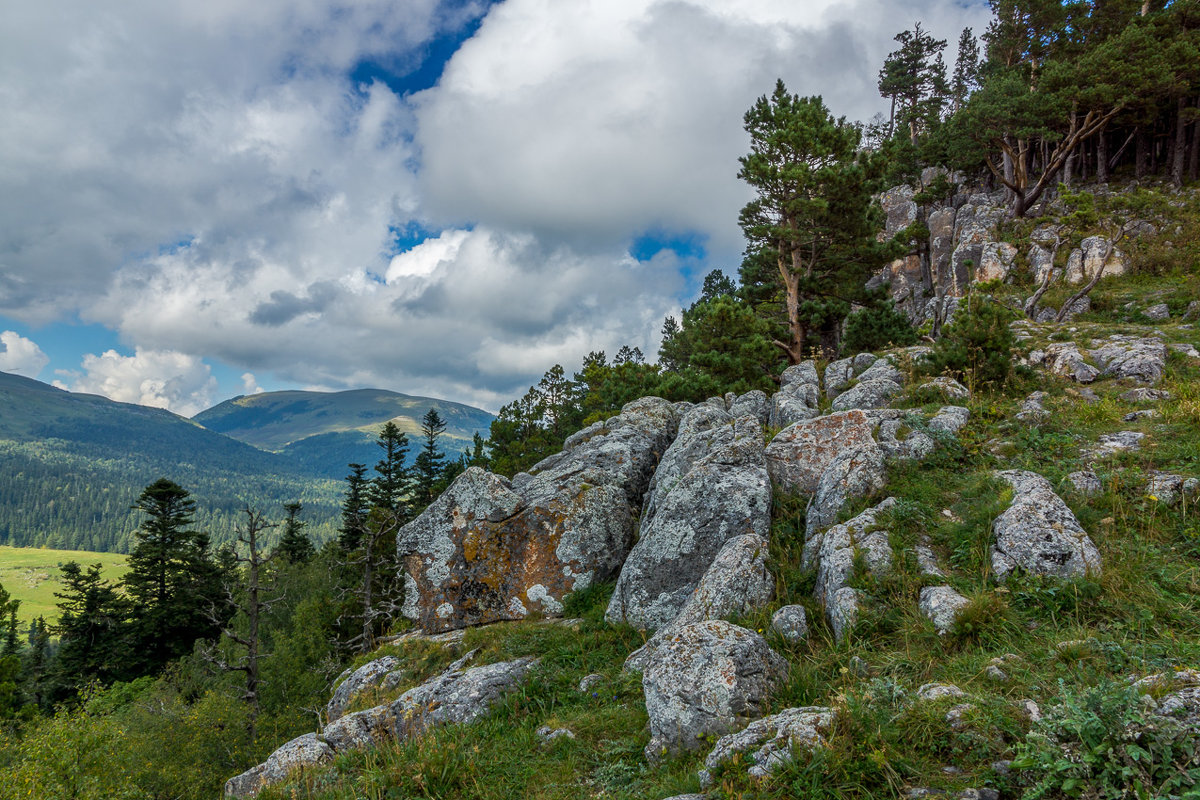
1194	156
1180	144
1141	153
1102	157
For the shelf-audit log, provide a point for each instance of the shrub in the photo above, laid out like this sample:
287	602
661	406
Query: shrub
976	348
875	328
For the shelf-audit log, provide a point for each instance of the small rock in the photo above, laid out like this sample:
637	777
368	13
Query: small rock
939	691
588	681
791	622
1192	312
1031	710
1109	444
548	734
366	677
1168	487
1138	358
303	751
771	740
957	716
950	419
1002	768
941	605
1085	394
858	667
1157	312
1086	482
948	388
1145	413
1187	349
994	673
1065	360
1032	409
1143	395
867	394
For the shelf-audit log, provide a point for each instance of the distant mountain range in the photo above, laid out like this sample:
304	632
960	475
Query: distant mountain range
71	465
325	431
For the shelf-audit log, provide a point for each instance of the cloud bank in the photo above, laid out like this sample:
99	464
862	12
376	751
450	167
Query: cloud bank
241	182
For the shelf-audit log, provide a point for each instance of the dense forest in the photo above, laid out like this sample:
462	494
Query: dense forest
204	658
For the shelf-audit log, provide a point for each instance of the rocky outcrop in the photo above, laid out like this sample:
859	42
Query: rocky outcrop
1039	534
490	550
855	472
361	680
798	397
799	455
996	261
1138	358
724	494
709	678
1065	360
833	553
303	751
1085	260
770	741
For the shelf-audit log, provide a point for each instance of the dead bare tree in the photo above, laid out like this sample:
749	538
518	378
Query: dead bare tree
378	592
252	604
1110	244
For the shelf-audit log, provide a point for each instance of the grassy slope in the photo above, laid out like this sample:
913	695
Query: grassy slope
1140	616
30	574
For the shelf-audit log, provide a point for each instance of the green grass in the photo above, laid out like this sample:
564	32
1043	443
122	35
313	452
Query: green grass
31	575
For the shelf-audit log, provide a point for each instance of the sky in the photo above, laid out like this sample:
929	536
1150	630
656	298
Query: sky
438	197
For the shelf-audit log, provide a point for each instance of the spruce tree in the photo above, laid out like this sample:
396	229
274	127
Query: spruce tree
390	487
430	462
294	545
354	509
95	639
173	583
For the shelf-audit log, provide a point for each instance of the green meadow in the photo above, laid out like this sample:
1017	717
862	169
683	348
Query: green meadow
30	574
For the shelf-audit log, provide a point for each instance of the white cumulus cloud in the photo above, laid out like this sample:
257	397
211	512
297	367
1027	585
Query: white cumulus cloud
176	381
21	355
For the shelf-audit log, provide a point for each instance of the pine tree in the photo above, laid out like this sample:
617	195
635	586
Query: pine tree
391	485
354	509
813	220
294	545
430	462
173	583
914	77
966	69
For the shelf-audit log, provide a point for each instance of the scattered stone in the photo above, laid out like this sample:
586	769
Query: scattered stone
770	740
1039	534
853	473
725	494
1167	680
303	751
994	673
950	419
1144	395
957	716
996	261
839	374
940	604
1192	312
548	734
800	454
880	369
1145	413
707	679
1168	487
1183	706
1187	349
927	561
805	372
1109	444
791	622
901	435
368	676
1138	358
948	388
1031	710
588	681
1002	768
858	667
1084	393
1157	313
1032	409
1086	482
939	691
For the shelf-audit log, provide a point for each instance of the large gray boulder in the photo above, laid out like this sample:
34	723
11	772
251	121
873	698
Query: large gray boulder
701	430
1039	534
707	679
725	494
754	403
769	741
1085	261
303	751
367	677
490	550
794	402
874	393
736	582
855	472
1065	360
799	455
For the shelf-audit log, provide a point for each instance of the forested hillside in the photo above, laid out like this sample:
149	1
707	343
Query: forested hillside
71	466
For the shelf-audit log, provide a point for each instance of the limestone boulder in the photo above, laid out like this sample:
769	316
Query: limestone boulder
708	679
790	622
1066	360
768	743
875	393
1137	358
833	553
1085	260
855	472
940	604
946	388
490	550
754	404
303	751
794	402
996	261
799	455
1039	534
367	677
725	494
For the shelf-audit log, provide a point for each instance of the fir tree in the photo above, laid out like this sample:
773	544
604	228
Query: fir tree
391	485
294	545
430	462
354	509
